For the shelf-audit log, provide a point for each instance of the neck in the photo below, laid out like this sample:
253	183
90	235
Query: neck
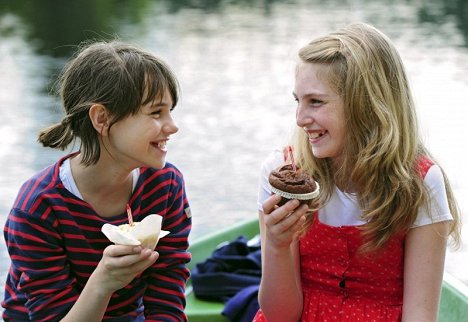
104	185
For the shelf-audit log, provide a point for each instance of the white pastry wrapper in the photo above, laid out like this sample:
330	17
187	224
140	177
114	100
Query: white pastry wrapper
298	196
145	233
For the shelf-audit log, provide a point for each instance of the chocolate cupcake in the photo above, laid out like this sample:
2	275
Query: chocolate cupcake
292	183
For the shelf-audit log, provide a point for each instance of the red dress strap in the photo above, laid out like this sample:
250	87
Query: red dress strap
424	163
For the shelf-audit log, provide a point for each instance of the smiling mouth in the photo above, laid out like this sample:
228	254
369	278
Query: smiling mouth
161	145
315	135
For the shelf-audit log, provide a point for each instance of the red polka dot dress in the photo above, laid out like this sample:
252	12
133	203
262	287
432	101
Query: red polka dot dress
340	284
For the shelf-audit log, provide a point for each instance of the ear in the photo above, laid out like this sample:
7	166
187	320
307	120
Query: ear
99	116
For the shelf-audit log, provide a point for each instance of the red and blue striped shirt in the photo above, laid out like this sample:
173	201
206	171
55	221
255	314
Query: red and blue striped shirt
55	242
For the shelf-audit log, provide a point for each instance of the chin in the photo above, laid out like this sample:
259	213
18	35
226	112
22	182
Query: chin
321	153
159	165
156	164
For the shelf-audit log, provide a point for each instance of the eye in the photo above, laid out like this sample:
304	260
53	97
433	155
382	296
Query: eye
315	102
161	111
156	113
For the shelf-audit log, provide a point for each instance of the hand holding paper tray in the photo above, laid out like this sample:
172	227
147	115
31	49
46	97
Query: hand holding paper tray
145	233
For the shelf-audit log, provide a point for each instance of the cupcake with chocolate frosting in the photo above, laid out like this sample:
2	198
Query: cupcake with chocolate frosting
290	182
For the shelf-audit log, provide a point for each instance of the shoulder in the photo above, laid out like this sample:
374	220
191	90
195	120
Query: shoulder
430	172
435	183
438	208
172	169
37	187
169	175
434	176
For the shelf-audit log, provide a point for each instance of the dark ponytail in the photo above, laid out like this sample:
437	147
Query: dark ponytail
57	136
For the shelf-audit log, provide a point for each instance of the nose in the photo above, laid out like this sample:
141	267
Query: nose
303	118
170	126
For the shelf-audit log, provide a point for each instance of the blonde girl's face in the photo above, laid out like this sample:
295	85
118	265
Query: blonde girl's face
142	139
320	111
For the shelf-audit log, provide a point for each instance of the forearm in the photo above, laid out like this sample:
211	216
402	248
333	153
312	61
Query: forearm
280	294
91	304
118	267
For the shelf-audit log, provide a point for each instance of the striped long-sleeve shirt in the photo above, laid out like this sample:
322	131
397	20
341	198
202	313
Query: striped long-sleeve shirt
55	242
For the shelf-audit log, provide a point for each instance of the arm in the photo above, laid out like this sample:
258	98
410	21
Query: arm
280	294
46	279
164	298
423	271
118	267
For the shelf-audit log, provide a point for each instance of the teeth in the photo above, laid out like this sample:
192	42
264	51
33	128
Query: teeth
162	144
315	135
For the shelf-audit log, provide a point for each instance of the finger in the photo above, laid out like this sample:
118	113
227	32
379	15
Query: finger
282	212
144	263
298	227
121	250
292	221
128	261
270	203
136	267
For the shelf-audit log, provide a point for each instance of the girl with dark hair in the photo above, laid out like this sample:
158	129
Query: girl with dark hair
118	101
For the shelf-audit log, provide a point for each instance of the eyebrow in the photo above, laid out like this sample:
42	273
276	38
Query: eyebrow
150	108
312	94
160	103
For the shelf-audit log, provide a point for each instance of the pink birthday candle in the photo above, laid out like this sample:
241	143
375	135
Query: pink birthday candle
130	217
291	156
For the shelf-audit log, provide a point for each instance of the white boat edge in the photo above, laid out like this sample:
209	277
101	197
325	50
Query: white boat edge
456	283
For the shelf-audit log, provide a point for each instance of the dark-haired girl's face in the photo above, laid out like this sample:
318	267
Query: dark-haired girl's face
320	111
142	139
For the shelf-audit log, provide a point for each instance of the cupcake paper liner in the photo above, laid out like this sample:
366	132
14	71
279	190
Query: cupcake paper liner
298	196
145	233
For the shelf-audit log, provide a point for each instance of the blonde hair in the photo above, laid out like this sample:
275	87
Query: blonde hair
383	148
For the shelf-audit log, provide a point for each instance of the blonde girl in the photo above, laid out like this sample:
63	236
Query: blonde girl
375	249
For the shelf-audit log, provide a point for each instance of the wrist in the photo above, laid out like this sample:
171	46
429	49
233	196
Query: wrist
277	250
97	287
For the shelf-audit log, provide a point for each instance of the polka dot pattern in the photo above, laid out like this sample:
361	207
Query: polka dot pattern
341	284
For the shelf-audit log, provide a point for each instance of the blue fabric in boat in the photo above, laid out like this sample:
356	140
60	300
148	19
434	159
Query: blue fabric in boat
243	306
231	275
